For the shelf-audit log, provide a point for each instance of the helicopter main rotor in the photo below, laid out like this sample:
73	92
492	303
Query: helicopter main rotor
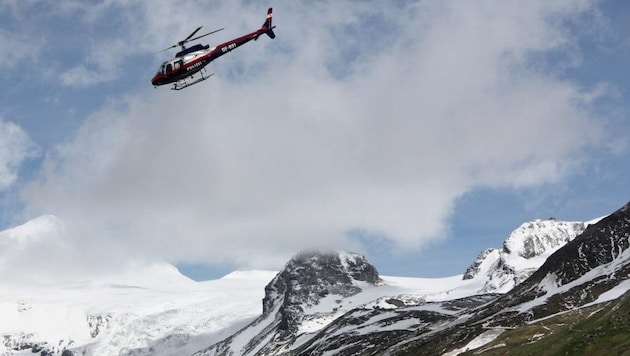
189	39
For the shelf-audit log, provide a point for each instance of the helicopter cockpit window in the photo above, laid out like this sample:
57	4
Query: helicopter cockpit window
178	64
162	67
169	68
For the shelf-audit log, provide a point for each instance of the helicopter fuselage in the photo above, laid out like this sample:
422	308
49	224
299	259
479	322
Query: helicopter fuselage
192	60
183	66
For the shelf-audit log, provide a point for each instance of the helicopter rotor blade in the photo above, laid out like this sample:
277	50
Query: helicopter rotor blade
205	34
189	36
188	39
166	49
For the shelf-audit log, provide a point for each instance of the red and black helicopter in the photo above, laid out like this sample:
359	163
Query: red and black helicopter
190	61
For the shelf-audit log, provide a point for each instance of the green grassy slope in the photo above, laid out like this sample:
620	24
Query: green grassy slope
602	329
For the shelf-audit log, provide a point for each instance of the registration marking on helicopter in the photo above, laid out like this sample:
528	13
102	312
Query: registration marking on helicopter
193	66
229	47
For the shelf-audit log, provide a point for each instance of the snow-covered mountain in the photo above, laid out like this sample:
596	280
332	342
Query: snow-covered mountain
320	303
451	320
574	284
148	307
317	290
525	249
592	268
330	302
105	318
311	291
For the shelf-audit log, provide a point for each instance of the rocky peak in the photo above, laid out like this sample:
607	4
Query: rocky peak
576	274
524	250
309	281
311	276
476	267
539	236
602	243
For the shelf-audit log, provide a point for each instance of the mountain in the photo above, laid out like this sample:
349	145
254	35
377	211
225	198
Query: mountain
593	268
592	264
570	274
524	250
145	308
330	302
102	317
312	290
554	267
148	307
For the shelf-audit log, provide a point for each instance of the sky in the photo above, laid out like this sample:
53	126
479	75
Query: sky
415	132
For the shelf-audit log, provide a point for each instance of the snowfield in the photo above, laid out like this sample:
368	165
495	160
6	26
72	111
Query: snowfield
132	317
144	315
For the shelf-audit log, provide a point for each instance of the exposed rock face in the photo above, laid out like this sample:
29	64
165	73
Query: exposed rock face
311	276
291	296
21	342
476	267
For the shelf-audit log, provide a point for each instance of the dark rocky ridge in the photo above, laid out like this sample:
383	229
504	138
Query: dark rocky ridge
303	282
311	276
591	264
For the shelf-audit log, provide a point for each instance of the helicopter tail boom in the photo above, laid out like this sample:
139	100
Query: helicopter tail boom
267	25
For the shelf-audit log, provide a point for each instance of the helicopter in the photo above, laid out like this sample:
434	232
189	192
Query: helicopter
188	62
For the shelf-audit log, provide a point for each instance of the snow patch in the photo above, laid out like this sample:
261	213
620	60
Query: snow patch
477	342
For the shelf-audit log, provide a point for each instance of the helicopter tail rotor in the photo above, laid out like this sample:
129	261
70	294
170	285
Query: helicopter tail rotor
267	24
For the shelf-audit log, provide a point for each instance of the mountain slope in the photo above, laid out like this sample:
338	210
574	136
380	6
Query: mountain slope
577	269
122	318
319	292
309	291
600	329
593	268
591	264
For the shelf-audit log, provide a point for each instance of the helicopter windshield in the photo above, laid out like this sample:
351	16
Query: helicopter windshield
162	67
168	67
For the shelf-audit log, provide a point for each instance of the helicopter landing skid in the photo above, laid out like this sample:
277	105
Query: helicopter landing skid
185	83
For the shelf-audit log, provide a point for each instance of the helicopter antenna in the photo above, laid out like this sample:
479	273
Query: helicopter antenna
183	42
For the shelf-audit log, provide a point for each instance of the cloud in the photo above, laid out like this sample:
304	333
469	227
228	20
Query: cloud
46	250
334	126
15	147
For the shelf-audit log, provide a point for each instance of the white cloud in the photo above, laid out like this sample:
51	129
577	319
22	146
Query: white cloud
15	147
282	151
